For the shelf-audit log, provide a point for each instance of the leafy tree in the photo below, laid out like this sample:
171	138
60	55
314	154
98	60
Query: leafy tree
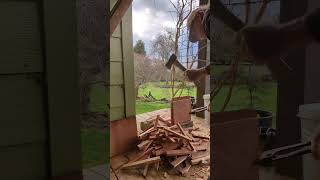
139	48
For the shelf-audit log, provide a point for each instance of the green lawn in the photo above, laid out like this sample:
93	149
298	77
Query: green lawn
143	107
159	92
95	147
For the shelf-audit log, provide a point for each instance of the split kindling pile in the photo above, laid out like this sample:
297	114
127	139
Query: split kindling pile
167	144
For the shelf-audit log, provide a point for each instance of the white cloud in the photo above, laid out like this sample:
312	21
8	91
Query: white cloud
150	18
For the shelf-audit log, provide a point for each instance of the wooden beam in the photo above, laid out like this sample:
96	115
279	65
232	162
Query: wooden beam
291	94
117	13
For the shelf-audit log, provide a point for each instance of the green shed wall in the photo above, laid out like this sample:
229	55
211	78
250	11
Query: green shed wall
39	95
122	96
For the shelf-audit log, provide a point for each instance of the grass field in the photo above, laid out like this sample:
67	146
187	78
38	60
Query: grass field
157	90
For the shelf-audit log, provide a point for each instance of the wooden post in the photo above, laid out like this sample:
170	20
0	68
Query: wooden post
202	54
118	12
291	94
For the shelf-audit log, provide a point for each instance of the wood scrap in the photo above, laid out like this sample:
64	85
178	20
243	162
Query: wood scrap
178	161
186	169
178	152
200	160
139	156
177	134
142	162
198	135
176	145
200	154
143	144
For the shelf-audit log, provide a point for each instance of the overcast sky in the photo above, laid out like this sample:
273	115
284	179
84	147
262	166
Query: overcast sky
151	17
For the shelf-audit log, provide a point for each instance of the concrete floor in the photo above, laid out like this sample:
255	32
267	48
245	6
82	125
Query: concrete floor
96	173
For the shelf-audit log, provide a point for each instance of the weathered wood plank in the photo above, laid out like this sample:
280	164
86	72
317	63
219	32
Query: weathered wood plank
142	162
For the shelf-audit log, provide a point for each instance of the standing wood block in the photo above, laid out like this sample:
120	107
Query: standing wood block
235	145
123	135
180	109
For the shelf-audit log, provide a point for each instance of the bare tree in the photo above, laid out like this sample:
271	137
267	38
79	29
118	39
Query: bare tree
163	46
144	70
183	9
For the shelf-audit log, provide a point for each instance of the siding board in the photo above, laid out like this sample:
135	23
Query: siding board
116	71
24	162
20	41
22	113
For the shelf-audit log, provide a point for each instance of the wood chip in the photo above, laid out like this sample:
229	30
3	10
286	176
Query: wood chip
178	161
145	171
200	160
186	169
165	175
198	135
200	154
142	162
142	145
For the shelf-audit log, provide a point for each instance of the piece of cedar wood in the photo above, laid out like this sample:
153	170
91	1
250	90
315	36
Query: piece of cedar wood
199	160
186	169
142	135
167	147
171	139
143	144
184	133
145	171
142	162
139	156
156	122
200	154
177	134
166	122
157	165
148	145
180	152
194	134
204	146
178	161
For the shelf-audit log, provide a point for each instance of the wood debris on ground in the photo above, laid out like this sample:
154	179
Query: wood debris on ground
168	145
